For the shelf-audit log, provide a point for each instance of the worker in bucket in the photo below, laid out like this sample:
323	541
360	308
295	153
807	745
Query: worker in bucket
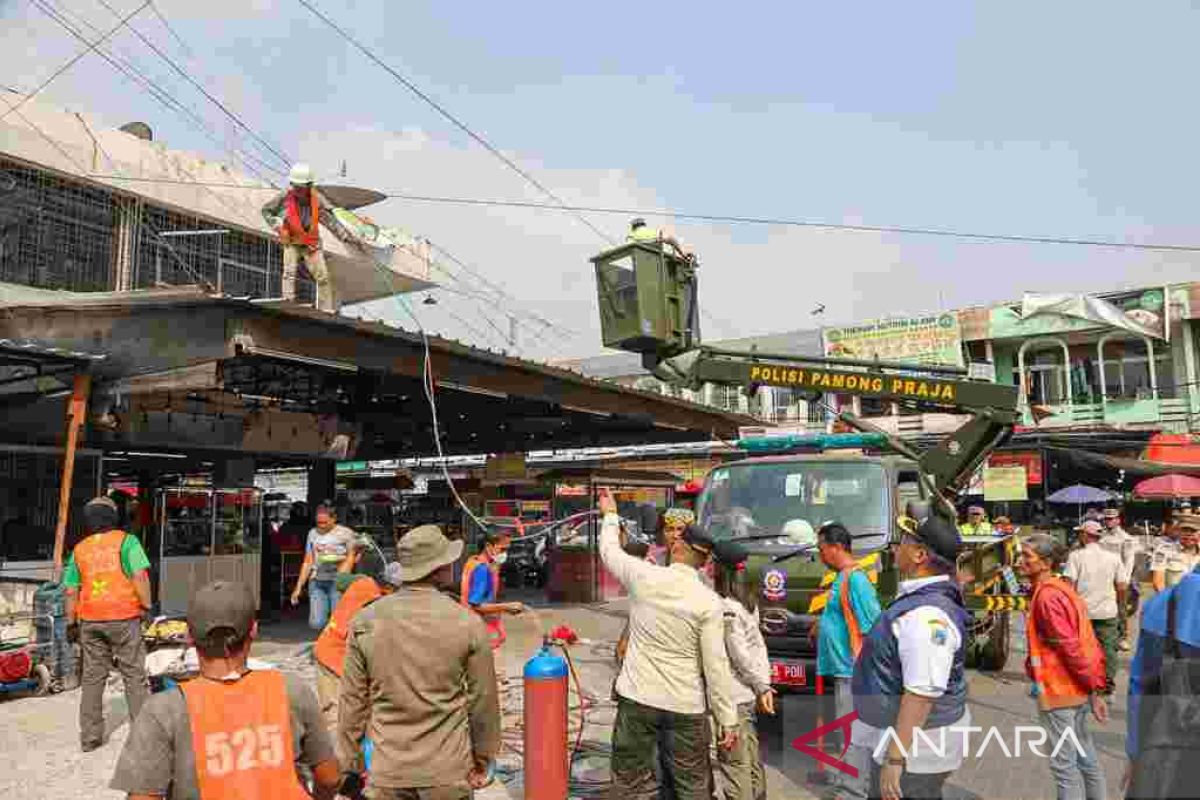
296	215
231	732
330	650
107	582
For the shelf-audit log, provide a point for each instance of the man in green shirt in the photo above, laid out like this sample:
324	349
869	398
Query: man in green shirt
107	584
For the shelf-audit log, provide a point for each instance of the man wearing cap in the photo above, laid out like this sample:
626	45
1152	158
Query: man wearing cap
418	680
231	732
1179	554
357	592
976	524
107	582
911	672
675	668
1097	576
1118	542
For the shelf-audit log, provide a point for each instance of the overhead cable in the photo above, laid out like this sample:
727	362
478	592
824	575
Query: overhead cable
749	220
74	59
455	121
166	98
200	88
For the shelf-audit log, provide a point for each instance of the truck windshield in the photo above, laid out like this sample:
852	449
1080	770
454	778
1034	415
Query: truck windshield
792	499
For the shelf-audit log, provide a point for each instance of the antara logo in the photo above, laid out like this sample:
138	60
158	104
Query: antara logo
937	742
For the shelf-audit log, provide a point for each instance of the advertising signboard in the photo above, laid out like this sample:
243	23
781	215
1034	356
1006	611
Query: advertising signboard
926	339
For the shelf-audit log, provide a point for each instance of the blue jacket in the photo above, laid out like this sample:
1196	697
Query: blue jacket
1147	661
878	682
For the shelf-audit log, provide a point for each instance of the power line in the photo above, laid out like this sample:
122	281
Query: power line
148	85
455	121
745	220
171	30
75	59
200	88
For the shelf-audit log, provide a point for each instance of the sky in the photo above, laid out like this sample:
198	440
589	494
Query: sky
1067	119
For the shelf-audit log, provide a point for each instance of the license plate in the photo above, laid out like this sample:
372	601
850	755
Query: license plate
788	673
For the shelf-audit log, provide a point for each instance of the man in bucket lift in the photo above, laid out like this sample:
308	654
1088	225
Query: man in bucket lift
296	215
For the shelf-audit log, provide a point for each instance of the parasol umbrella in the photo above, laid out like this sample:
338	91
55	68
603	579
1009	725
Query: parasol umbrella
1079	495
1165	487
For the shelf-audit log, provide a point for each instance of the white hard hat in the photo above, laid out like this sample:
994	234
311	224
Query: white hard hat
300	175
800	531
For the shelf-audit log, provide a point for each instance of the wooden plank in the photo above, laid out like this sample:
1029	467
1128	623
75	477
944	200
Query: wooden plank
76	412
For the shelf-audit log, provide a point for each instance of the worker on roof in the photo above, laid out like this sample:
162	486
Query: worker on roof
296	215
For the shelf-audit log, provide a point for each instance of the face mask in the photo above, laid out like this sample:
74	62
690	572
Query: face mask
500	558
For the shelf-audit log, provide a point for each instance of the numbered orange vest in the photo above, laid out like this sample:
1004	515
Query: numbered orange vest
330	648
242	738
106	593
1056	686
495	624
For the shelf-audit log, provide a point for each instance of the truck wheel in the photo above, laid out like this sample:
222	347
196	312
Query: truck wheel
993	654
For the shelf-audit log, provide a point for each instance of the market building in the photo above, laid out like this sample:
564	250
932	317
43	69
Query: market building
141	325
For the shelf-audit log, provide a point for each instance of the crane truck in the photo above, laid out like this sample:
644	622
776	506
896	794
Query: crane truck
786	487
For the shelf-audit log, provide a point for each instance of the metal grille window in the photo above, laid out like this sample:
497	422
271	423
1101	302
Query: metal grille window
54	233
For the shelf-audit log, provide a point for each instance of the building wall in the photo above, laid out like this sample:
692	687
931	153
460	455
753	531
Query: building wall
60	233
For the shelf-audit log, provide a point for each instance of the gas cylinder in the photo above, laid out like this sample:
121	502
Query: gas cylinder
546	767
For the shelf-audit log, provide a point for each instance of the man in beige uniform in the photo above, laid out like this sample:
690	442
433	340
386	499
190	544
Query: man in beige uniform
674	670
1116	541
1178	555
418	680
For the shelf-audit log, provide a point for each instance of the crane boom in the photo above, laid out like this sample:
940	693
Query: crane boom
648	305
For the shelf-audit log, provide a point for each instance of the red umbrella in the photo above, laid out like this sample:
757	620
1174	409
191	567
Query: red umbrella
1168	486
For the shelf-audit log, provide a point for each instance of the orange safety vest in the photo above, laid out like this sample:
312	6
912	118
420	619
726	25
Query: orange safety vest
330	648
106	593
1056	686
495	624
848	612
292	231
242	738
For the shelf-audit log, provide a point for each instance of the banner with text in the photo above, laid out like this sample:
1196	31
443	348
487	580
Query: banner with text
928	339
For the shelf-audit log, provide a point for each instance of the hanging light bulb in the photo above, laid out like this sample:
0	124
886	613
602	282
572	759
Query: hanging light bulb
429	300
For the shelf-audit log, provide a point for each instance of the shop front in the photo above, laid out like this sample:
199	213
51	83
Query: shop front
575	572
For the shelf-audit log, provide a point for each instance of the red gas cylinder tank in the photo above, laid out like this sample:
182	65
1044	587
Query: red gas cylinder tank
547	770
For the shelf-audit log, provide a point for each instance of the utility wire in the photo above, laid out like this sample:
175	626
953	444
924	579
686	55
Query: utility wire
74	59
456	122
171	30
200	88
746	220
168	101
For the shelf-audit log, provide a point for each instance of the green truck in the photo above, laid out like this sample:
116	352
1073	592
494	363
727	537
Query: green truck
775	499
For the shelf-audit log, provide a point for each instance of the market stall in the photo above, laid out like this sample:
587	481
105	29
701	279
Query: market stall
576	574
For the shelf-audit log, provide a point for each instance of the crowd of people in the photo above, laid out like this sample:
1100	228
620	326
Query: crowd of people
409	666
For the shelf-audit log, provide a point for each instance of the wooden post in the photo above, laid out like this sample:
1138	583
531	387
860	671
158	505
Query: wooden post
76	413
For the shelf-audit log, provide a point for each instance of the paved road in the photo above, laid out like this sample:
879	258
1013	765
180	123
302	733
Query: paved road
997	699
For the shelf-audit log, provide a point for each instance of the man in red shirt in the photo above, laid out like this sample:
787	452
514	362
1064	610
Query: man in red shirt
1066	665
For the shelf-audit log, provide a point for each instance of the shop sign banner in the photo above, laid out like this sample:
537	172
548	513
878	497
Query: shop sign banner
1004	483
1032	462
926	339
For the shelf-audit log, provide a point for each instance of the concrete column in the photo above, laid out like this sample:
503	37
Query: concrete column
1188	334
127	236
